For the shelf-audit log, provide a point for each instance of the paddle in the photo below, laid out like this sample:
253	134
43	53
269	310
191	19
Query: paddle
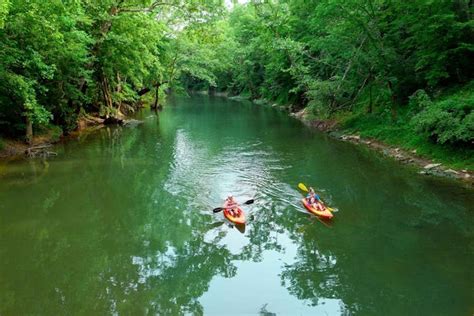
304	188
218	209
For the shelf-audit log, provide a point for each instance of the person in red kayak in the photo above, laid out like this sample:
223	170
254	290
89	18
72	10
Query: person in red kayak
231	205
314	200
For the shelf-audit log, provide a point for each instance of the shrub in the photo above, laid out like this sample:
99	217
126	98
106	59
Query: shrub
448	121
419	101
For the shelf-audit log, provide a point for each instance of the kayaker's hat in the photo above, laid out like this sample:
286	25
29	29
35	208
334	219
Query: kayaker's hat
229	196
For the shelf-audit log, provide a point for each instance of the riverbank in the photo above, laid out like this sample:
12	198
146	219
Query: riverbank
404	153
41	145
431	159
427	166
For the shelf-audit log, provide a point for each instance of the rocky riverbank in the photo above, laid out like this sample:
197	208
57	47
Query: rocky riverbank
426	166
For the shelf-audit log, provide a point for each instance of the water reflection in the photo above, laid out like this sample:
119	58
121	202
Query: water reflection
121	223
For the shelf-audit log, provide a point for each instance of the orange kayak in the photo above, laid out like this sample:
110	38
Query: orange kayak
239	219
324	214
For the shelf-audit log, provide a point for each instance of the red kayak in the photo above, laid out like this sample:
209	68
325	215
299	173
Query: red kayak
324	214
239	219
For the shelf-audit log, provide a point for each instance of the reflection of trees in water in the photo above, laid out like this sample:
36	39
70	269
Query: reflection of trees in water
122	246
319	285
385	258
264	312
314	276
403	249
102	280
169	285
262	236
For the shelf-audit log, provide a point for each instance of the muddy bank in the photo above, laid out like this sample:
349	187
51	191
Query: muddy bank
426	166
42	146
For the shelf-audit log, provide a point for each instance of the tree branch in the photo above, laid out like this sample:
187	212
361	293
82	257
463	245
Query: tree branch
149	9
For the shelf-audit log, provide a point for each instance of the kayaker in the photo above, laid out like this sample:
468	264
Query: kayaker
231	205
314	200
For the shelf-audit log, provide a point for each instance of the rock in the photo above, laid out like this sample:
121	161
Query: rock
413	151
452	171
132	122
352	137
88	120
467	176
301	114
432	165
81	124
422	172
397	150
113	120
464	170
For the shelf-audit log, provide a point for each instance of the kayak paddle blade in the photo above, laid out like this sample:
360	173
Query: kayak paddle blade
302	187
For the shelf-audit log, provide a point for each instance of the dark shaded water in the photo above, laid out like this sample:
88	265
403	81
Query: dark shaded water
121	223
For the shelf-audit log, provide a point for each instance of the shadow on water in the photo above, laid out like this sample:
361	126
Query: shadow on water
240	228
121	223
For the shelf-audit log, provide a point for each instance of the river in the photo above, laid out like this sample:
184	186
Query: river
121	223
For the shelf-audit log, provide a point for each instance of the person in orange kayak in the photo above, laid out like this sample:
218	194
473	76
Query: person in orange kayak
231	205
314	200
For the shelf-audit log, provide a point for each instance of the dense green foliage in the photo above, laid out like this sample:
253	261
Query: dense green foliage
369	62
336	56
59	59
390	70
447	121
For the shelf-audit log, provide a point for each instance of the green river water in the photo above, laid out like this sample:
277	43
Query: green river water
120	223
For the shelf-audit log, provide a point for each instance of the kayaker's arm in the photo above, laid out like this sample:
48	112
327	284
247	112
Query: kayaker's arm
319	199
230	206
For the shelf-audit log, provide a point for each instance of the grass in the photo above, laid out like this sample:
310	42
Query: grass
50	133
400	133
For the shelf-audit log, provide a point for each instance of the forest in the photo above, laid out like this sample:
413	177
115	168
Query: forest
398	71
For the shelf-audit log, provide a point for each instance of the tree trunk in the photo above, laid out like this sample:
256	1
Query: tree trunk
105	27
346	72
118	90
369	110
104	87
148	89
393	108
155	103
29	131
143	91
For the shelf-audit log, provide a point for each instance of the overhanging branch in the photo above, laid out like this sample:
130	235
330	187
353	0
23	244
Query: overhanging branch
149	9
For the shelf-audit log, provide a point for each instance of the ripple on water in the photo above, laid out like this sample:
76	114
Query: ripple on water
248	171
